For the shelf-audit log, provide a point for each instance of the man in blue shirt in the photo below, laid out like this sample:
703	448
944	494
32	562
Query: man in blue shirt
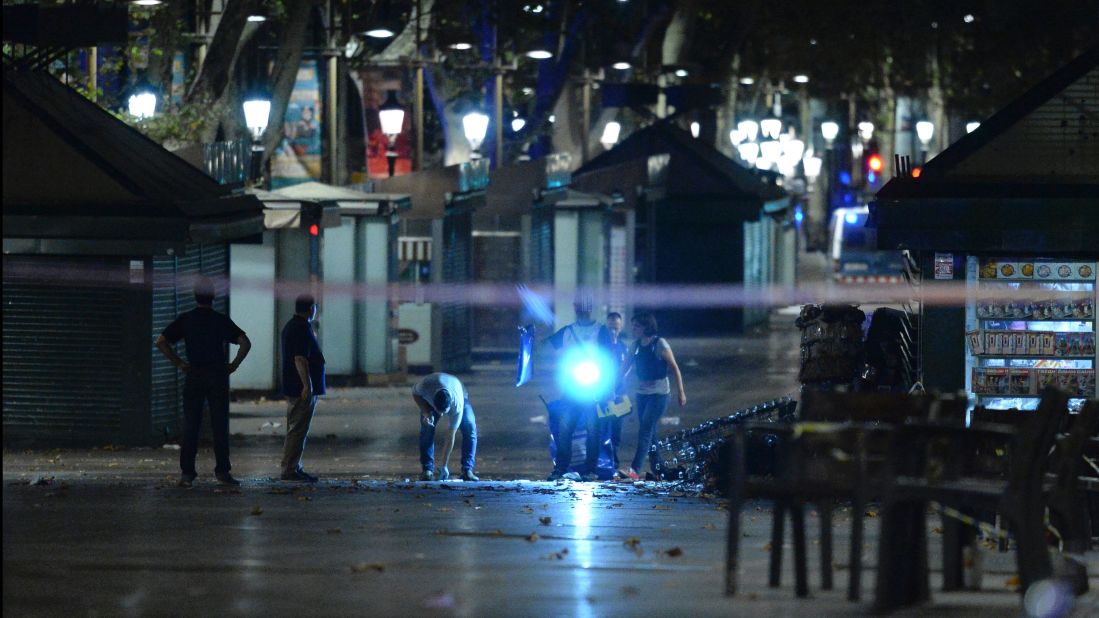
206	336
302	382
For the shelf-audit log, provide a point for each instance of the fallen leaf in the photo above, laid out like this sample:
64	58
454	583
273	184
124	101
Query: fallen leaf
661	507
305	498
545	520
444	509
257	510
872	513
767	547
709	527
674	552
937	530
1013	582
533	537
334	531
364	567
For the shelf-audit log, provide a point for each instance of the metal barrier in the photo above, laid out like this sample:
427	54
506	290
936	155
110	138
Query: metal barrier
686	455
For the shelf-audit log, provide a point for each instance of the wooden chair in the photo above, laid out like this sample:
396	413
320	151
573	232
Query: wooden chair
1067	498
926	466
822	460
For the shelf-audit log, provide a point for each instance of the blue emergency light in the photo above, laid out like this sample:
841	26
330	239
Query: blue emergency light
586	373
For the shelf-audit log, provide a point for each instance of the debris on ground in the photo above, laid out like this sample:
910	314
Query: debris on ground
533	537
364	567
440	601
674	552
545	521
257	510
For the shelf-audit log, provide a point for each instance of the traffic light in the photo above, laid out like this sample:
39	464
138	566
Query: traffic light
873	164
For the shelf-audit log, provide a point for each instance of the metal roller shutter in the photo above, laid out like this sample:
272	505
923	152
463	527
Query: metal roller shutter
63	362
541	244
456	315
172	295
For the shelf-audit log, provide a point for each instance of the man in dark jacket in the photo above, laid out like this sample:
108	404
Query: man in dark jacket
302	381
206	335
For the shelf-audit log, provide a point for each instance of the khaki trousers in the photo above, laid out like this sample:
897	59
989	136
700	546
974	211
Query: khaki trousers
299	413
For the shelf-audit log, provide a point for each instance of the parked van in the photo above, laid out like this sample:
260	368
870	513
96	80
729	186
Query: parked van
854	253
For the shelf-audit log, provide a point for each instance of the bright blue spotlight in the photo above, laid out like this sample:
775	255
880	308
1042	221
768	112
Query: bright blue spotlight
586	374
845	177
851	218
798	215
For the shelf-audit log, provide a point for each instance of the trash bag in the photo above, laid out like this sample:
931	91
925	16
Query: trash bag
604	463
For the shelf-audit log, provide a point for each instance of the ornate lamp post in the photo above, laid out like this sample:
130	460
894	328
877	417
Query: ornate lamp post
391	114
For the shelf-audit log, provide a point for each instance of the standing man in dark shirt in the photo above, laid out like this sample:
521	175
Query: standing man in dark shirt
302	382
206	335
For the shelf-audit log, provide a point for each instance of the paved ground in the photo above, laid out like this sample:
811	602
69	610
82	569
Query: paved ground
105	532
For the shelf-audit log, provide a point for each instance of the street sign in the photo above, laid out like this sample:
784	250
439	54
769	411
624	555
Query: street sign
407	336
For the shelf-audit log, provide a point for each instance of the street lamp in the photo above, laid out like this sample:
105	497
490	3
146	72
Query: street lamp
517	124
769	153
475	125
925	129
971	126
736	136
829	130
812	166
257	113
771	127
611	130
142	100
749	152
866	130
750	129
696	128
391	115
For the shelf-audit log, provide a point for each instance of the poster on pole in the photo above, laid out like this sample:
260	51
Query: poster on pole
298	156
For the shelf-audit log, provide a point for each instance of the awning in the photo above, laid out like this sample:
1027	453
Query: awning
78	180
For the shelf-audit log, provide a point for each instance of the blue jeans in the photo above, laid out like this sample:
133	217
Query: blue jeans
649	410
468	427
577	413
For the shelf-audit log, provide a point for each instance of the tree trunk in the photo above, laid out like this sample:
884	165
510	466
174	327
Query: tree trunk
221	56
886	116
936	105
287	62
726	117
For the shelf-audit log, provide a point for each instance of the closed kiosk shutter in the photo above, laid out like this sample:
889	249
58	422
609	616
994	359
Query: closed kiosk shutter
541	245
172	295
496	260
63	358
456	314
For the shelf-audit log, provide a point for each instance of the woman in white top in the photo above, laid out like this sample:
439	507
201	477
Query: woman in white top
653	360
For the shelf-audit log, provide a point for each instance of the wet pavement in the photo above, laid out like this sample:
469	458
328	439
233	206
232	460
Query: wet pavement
105	532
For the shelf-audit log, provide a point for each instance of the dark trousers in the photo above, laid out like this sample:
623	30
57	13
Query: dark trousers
299	414
649	410
577	412
205	386
468	427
